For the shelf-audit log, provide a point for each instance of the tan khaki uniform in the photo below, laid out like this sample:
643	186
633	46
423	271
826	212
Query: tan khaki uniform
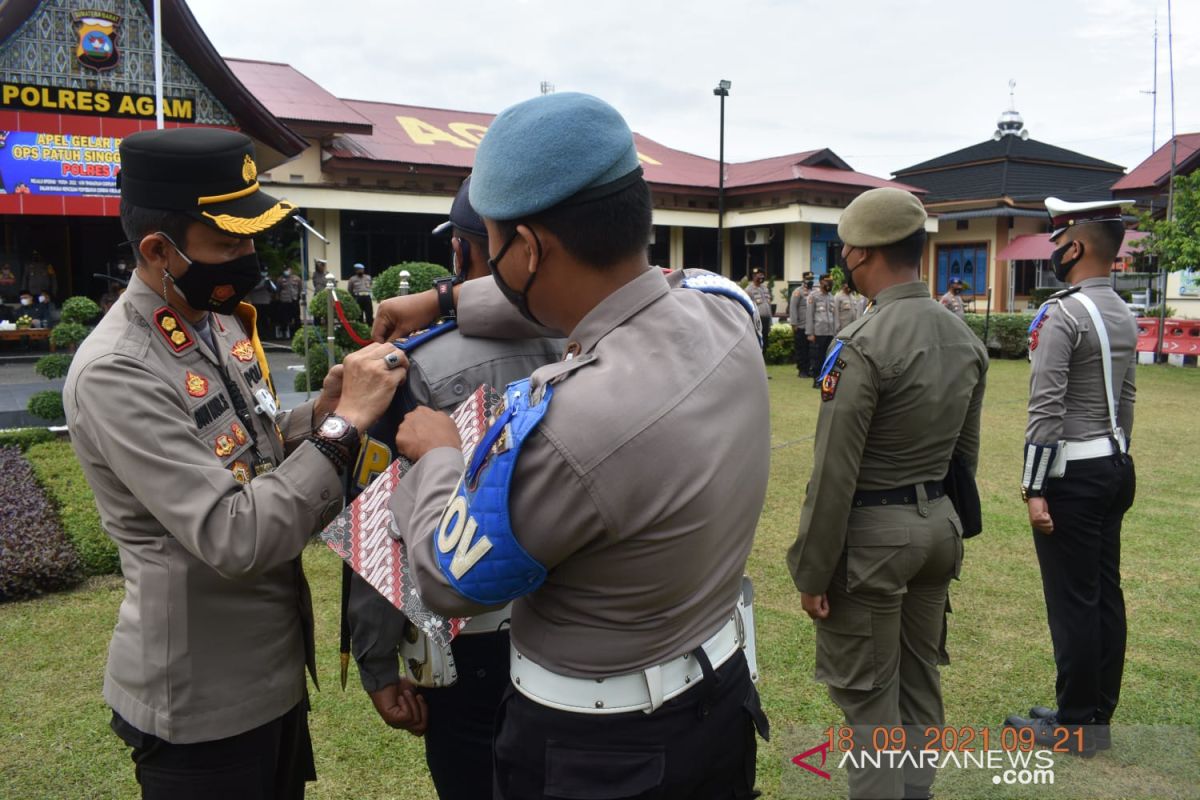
953	302
904	393
622	492
216	624
820	314
847	309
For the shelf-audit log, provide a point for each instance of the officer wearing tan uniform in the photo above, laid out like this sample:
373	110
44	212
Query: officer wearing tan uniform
457	717
619	535
952	300
820	323
1078	476
902	391
847	307
797	311
209	491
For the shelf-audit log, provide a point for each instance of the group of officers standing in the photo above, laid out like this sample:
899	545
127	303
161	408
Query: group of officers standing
596	540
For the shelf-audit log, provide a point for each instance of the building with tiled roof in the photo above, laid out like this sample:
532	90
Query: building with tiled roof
990	195
1147	182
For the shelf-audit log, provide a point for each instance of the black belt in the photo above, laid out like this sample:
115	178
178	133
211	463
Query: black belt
904	496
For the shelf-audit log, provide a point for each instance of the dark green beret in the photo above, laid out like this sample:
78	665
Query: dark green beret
881	216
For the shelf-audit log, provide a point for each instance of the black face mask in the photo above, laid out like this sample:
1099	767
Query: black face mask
216	287
519	299
847	272
1061	268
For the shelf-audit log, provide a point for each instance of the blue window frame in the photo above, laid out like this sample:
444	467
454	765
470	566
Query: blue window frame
966	262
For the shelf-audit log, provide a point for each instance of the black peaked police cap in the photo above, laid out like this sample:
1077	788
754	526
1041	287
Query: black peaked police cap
208	174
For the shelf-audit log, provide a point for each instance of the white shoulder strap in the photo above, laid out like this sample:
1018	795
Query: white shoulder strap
1105	355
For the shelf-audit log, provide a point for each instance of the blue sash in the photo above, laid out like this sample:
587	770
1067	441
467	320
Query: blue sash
474	542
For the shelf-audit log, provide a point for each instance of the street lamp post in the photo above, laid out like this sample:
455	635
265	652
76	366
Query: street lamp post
722	91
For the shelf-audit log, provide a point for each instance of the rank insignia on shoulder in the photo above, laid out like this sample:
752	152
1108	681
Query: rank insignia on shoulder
224	445
169	326
241	471
829	385
197	385
243	351
239	433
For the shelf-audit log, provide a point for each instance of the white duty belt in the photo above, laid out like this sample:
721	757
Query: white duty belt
648	689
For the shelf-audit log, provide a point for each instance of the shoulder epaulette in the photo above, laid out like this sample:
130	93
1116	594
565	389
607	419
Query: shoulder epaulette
415	340
1051	300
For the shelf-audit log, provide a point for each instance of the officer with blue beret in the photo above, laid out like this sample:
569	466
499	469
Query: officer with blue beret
1078	478
603	508
458	689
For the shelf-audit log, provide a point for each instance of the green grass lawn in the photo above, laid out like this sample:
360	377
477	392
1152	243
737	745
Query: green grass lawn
55	743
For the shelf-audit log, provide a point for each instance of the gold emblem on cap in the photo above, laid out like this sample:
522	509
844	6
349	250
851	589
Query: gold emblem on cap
249	170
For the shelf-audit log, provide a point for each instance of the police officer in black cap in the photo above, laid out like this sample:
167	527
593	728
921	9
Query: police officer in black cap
208	489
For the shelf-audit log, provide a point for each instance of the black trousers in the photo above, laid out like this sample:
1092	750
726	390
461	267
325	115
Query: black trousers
766	322
699	745
270	762
800	350
816	355
364	302
462	717
1081	580
263	322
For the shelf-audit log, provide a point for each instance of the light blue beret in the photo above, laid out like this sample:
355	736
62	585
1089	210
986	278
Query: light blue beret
542	152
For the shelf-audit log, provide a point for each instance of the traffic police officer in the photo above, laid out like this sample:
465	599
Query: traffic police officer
952	299
209	491
797	311
359	287
879	541
760	295
1078	478
619	533
445	367
821	325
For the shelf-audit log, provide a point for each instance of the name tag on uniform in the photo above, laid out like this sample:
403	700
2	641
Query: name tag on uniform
266	403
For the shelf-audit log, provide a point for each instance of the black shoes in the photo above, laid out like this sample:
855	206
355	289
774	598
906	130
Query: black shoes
1077	740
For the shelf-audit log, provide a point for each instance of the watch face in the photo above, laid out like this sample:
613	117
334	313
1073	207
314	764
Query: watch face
333	427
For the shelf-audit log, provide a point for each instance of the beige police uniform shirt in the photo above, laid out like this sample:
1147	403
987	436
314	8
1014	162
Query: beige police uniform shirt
212	634
1066	379
904	393
821	314
847	309
953	302
624	491
359	284
798	307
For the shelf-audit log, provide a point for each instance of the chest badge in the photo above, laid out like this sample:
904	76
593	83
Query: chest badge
239	434
224	445
829	385
197	385
241	471
243	351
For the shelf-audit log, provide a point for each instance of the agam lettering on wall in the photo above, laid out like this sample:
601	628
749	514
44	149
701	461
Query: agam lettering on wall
465	135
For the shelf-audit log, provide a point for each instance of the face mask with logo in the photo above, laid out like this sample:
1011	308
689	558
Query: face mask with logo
1062	268
519	299
216	287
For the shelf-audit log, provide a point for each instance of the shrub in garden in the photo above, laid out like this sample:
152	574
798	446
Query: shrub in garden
52	366
1008	334
35	556
23	438
319	304
422	274
80	310
68	334
47	405
780	345
57	470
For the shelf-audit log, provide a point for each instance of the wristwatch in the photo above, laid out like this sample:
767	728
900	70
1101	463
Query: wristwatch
338	440
1028	493
445	296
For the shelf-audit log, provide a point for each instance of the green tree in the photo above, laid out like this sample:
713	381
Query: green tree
1176	242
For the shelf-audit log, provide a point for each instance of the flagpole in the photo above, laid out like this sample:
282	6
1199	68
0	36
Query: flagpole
158	67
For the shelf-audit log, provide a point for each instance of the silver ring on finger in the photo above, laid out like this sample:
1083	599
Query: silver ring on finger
392	359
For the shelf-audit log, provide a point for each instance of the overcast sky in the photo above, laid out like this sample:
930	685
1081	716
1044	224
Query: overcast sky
885	84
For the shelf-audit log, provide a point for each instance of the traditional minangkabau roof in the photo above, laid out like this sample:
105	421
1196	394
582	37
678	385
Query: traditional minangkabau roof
297	99
1019	170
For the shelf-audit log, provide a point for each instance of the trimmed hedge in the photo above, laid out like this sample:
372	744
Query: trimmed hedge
68	334
47	405
320	304
54	365
780	345
81	310
22	438
421	275
1008	334
58	471
35	555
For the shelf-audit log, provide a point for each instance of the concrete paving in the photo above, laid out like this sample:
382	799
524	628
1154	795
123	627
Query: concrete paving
19	382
